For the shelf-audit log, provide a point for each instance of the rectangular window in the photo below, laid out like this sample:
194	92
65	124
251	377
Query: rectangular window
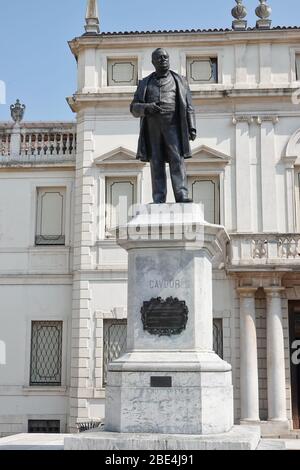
120	197
297	67
114	342
202	70
122	72
46	353
205	190
50	223
44	426
218	336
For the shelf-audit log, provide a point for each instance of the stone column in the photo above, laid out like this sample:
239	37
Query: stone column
84	376
15	140
248	353
275	356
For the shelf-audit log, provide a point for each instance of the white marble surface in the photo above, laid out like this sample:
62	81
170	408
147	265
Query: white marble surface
200	398
239	438
197	403
33	442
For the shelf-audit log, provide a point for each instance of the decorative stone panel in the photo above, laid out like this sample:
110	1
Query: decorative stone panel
202	70
122	72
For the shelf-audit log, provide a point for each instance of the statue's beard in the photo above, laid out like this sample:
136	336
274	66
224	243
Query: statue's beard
163	69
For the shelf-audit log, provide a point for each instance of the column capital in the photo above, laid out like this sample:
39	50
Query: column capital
271	118
274	291
247	291
238	118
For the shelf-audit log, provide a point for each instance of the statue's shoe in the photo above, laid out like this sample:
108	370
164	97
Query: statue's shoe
185	200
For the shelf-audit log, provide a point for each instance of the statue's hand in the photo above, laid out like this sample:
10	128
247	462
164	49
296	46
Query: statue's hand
193	134
152	108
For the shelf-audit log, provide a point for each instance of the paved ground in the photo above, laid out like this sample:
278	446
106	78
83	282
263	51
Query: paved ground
33	442
56	442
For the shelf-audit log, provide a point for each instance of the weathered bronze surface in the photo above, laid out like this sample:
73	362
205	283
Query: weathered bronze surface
164	317
163	102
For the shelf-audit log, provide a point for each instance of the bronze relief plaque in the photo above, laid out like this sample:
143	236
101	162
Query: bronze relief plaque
164	317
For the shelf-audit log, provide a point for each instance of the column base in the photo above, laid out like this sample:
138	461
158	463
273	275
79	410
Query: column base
274	428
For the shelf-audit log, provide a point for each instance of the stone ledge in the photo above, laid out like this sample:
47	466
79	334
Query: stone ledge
239	438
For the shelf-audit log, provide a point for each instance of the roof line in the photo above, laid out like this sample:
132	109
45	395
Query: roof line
176	31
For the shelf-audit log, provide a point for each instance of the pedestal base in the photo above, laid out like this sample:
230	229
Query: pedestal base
239	25
263	24
276	429
173	393
238	438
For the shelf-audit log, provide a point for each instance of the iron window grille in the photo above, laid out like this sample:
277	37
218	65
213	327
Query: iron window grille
114	342
46	353
218	336
44	426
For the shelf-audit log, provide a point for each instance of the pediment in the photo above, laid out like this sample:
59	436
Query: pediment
120	155
292	153
205	154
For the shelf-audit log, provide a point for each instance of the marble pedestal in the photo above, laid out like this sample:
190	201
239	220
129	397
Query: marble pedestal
170	383
170	390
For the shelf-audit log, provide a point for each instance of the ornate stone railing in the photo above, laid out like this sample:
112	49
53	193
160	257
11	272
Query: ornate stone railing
28	142
264	249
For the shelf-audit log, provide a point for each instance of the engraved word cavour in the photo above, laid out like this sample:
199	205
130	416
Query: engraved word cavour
160	283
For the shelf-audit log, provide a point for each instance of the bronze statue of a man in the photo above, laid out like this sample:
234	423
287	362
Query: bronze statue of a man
164	104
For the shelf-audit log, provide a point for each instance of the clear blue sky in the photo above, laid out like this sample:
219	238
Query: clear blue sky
38	67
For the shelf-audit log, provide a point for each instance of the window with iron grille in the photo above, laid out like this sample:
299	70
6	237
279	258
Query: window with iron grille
114	342
46	353
218	336
44	426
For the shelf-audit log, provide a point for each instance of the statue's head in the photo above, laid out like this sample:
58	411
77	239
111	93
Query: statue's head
161	60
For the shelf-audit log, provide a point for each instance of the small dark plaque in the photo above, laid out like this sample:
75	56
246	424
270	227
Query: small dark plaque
161	381
164	317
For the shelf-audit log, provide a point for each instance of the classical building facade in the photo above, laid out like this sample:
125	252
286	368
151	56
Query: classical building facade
63	278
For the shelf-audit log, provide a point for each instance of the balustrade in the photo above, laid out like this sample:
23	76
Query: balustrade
264	249
48	140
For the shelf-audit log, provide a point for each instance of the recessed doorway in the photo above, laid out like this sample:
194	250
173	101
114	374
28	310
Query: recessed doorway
294	329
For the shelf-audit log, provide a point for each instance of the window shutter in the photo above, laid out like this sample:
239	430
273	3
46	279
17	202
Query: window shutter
120	196
51	216
206	191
